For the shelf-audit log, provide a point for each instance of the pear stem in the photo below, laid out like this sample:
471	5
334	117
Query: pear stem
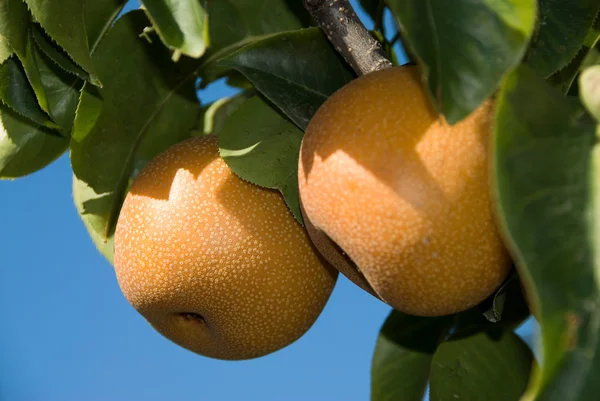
348	35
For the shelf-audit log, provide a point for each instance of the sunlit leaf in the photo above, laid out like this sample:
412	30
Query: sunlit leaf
181	24
145	105
546	162
297	71
465	46
90	207
89	109
590	90
263	147
5	49
26	147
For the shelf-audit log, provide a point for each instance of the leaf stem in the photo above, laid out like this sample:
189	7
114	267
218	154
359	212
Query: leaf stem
348	35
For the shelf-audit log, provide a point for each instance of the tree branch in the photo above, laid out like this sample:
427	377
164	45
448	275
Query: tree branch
348	35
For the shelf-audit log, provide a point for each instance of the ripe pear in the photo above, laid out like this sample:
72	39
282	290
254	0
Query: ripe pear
404	196
214	263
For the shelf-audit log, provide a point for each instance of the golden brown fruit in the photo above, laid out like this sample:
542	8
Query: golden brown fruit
214	263
403	194
332	253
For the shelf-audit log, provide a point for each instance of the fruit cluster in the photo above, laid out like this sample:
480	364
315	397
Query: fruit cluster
392	196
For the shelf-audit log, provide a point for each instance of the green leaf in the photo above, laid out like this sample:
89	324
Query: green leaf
29	61
465	47
299	12
26	147
506	309
546	162
181	24
99	16
215	115
89	109
14	27
261	146
146	105
484	366
56	54
14	23
507	305
297	71
64	21
54	89
592	58
564	79
562	30
590	90
236	79
92	209
61	90
5	50
233	24
403	354
16	93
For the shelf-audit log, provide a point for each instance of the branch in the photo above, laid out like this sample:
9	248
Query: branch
348	35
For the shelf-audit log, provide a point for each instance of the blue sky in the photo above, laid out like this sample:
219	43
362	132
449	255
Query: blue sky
68	334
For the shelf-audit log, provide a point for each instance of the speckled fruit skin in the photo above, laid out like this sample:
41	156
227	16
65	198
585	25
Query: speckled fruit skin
195	240
403	194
